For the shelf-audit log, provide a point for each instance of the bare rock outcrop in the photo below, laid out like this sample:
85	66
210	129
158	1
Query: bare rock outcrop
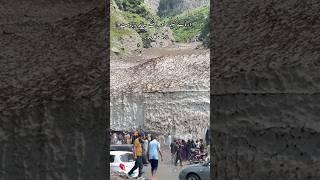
173	7
153	4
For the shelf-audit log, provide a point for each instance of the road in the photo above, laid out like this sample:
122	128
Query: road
166	169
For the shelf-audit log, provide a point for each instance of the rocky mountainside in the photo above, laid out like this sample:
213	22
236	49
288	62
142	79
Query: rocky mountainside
174	7
53	63
153	4
265	83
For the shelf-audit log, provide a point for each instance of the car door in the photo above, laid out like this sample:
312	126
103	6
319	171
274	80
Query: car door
114	163
204	172
128	160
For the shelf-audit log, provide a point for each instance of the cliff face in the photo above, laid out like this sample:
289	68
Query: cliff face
52	83
173	7
265	85
153	4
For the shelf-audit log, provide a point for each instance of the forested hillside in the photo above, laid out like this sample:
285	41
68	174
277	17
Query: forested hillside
127	16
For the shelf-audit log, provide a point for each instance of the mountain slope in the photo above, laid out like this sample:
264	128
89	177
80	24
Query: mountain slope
199	29
174	7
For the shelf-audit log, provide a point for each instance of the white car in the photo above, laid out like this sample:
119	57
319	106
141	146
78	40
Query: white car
122	162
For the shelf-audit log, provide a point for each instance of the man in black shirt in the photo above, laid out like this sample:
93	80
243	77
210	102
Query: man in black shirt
174	149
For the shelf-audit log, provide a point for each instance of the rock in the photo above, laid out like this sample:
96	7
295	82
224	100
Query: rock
153	4
173	7
114	49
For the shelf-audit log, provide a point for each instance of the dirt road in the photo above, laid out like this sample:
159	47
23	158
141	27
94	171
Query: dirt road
166	169
146	54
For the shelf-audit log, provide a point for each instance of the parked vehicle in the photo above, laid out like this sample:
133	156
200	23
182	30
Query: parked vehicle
127	147
196	156
122	162
122	147
199	171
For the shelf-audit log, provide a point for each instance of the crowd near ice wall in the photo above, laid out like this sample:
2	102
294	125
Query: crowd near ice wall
166	95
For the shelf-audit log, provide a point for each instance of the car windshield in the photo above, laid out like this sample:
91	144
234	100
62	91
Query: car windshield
112	158
121	148
127	157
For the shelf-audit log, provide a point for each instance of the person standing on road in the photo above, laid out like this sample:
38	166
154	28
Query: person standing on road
114	138
169	140
201	146
208	137
145	149
137	156
197	144
127	138
153	155
188	149
193	144
184	147
179	153
173	150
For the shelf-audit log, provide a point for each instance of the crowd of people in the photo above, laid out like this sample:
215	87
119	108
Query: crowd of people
127	137
146	148
182	150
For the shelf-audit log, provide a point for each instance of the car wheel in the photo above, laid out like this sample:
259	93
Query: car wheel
193	177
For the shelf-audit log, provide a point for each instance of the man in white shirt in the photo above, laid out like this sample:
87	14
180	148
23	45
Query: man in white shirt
169	140
153	155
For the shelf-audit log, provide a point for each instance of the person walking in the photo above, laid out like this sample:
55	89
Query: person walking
173	150
137	156
153	155
135	135
179	153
